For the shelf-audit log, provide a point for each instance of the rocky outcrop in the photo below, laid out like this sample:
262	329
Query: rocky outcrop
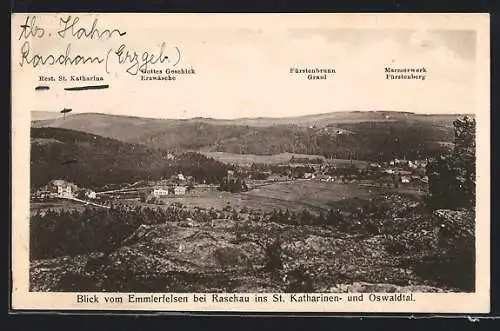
232	257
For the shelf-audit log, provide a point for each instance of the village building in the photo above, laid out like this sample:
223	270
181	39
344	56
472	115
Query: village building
90	194
412	165
42	194
324	178
405	179
309	175
180	190
159	192
62	189
404	173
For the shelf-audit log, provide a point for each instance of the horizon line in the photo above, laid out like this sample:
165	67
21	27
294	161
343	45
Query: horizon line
260	117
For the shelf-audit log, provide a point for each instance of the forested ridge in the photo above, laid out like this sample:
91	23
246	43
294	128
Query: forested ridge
92	161
363	135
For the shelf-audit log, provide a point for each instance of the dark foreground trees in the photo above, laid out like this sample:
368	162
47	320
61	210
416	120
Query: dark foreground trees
452	198
452	176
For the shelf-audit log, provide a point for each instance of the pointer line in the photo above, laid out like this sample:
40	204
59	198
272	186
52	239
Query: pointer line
89	87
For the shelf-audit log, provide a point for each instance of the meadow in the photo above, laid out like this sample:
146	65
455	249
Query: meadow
315	196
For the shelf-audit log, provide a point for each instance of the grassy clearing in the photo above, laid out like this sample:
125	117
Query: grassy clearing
248	159
311	193
56	204
294	196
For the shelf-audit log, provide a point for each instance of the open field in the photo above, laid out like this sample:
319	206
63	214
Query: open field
295	196
248	159
282	158
311	194
57	204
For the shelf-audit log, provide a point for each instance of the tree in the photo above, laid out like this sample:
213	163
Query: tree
305	217
452	176
273	251
143	196
334	217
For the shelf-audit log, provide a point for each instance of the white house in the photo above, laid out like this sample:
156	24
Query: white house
90	194
62	188
160	192
405	179
180	190
309	175
181	177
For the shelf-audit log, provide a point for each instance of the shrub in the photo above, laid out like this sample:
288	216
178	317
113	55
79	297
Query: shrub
274	261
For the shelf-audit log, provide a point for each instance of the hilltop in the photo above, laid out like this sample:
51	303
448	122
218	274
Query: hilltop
84	121
361	135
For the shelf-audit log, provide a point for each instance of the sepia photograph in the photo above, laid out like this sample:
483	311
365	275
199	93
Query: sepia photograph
303	161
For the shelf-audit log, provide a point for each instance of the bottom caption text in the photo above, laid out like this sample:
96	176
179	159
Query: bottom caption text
216	298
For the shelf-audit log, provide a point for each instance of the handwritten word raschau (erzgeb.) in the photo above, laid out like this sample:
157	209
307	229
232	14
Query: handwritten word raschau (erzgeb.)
73	28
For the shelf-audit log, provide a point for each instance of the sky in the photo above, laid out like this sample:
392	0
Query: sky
245	72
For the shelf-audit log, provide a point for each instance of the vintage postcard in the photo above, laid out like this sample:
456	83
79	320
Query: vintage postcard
251	162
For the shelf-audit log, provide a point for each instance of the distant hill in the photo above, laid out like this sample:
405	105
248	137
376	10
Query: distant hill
361	135
44	115
93	161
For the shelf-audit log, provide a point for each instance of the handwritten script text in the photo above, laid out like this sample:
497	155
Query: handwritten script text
71	28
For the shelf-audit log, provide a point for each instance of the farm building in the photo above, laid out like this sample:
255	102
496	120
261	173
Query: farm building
309	175
405	179
180	190
41	194
159	192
